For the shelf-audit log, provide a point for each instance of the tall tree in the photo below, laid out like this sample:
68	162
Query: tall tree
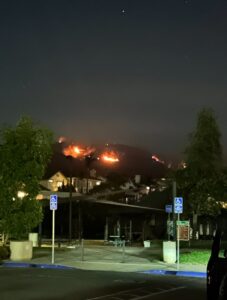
203	181
24	153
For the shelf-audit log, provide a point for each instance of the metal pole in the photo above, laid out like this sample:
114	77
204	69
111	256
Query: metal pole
40	228
53	234
130	231
178	243
168	226
143	231
70	208
87	187
174	215
80	225
118	227
40	234
82	250
106	233
123	251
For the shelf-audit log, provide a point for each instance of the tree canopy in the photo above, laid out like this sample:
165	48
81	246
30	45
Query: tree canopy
203	181
24	153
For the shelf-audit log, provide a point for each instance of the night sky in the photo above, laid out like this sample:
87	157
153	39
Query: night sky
133	72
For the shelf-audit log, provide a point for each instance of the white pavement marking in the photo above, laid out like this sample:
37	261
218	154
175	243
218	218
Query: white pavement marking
161	292
131	292
115	294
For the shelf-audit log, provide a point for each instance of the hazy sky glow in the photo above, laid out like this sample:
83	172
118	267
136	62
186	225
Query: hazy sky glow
133	72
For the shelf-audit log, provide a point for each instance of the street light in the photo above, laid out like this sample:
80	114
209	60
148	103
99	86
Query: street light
21	194
89	160
70	158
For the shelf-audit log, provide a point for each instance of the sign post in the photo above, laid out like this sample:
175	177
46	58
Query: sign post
53	207
178	209
169	210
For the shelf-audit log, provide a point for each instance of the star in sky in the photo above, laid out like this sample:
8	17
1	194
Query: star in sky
187	2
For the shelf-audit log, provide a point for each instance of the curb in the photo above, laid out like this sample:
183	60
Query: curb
61	267
176	273
37	266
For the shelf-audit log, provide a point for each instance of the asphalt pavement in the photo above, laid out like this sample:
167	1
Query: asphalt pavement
49	284
100	272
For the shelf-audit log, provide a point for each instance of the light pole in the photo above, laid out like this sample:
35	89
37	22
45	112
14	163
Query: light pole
174	215
89	159
70	158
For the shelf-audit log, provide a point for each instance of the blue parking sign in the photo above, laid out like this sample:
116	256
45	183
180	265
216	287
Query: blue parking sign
169	208
53	202
178	205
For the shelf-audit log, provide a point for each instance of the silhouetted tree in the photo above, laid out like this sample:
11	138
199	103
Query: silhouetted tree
24	154
203	180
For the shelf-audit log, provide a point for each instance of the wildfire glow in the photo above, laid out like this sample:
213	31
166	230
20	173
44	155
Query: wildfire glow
155	158
110	157
77	151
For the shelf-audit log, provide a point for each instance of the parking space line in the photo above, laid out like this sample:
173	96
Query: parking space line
115	294
133	293
159	293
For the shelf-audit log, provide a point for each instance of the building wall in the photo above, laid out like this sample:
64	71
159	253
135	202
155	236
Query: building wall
54	182
58	180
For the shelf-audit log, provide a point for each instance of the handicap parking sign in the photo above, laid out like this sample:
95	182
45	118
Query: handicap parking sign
178	205
53	202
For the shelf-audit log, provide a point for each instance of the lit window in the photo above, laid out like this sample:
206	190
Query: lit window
21	194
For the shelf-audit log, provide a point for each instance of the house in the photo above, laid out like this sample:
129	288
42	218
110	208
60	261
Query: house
61	182
55	182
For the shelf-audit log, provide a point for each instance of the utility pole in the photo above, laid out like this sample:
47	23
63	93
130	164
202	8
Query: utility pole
70	159
80	222
70	208
174	215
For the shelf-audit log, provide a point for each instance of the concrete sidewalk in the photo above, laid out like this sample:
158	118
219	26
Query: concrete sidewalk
109	258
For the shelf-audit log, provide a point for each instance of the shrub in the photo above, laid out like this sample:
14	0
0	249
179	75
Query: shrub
4	252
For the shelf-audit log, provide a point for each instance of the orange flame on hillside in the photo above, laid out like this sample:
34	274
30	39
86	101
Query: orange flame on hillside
110	157
155	158
77	151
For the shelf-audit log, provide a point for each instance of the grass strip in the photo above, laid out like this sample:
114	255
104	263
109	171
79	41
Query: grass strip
195	257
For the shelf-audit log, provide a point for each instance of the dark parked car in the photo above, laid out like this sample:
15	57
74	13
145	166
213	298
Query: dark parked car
223	289
217	267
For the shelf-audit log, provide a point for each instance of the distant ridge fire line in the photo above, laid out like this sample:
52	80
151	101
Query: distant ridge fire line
110	157
155	158
106	156
81	152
